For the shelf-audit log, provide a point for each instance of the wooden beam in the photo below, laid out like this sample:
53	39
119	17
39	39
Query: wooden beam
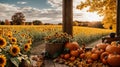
67	16
118	18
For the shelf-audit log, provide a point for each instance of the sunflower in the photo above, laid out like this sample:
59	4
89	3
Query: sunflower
2	60
27	47
2	42
14	50
29	41
13	40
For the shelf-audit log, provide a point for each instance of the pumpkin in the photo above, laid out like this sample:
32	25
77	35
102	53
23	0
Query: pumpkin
101	46
89	61
103	57
82	56
74	53
72	58
114	60
94	56
113	49
99	51
62	55
72	46
66	56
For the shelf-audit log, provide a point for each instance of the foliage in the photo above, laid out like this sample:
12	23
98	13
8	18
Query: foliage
58	38
18	18
14	46
106	8
37	22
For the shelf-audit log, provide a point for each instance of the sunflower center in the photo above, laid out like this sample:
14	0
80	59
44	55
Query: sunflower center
1	61
1	42
13	40
26	47
14	50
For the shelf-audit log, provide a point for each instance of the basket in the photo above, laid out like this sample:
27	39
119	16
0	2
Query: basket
54	48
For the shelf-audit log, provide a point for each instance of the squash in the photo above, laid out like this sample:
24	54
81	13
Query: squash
113	49
72	58
66	56
101	46
82	56
72	46
114	60
94	56
74	53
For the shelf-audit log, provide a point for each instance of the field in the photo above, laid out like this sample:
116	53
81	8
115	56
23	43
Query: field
81	34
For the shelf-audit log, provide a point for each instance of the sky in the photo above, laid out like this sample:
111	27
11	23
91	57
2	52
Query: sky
48	11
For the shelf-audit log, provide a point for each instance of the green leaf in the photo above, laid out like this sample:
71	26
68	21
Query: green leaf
15	61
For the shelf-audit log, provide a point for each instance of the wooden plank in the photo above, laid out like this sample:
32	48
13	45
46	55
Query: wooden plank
118	18
60	65
48	63
67	16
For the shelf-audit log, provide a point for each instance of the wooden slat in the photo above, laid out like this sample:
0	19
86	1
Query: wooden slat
60	65
48	63
67	16
118	18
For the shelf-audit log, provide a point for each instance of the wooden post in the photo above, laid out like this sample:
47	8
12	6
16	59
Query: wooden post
67	16
118	18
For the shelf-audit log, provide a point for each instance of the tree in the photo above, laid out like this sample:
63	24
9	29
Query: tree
18	18
7	22
105	8
37	22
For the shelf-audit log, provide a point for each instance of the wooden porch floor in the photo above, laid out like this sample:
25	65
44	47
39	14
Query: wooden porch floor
50	63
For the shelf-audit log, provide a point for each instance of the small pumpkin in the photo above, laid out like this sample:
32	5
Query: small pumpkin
89	61
94	56
114	60
82	56
72	58
104	57
99	51
113	49
101	46
66	56
72	46
74	53
62	55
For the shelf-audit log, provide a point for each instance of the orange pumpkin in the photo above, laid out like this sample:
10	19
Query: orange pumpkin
113	49
62	55
89	61
99	51
82	56
114	60
101	46
72	46
72	58
74	53
66	56
103	57
94	56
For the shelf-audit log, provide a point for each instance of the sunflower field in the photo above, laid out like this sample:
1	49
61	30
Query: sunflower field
14	47
80	34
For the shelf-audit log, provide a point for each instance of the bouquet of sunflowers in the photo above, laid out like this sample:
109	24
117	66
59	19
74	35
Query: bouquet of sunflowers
15	47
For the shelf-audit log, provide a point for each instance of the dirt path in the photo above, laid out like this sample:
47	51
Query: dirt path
94	43
40	47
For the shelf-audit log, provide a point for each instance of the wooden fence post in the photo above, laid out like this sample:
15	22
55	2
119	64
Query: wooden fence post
118	18
67	19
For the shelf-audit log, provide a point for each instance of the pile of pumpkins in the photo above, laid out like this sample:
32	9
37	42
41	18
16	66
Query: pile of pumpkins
101	54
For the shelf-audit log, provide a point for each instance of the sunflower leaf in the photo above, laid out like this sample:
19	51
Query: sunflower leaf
15	61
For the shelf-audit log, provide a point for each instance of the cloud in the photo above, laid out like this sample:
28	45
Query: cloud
50	15
55	3
21	2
